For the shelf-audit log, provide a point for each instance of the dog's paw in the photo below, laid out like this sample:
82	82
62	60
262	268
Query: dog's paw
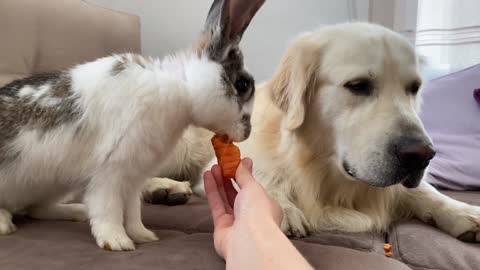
112	238
6	224
294	222
170	193
140	235
467	225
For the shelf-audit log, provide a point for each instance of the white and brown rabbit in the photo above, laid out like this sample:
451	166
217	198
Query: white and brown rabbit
104	127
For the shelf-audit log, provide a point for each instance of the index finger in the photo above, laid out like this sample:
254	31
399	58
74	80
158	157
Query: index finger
215	202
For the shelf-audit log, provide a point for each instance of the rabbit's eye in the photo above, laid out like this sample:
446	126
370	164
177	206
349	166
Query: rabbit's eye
243	86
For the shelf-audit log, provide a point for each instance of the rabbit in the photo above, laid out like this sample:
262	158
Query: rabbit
105	126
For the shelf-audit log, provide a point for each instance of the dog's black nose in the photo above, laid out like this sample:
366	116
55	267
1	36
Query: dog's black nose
414	154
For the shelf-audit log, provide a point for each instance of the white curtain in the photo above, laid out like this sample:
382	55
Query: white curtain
448	34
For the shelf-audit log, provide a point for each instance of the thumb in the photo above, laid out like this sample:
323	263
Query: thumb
244	172
248	163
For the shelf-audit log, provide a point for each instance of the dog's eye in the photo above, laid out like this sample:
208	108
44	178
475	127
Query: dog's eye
414	87
362	87
243	86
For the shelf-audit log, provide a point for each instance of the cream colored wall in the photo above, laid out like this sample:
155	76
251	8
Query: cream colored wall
168	25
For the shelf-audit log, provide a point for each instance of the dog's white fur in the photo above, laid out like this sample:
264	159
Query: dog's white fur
184	164
304	121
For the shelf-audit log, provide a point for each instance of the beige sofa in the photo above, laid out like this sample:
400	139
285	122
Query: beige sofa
44	35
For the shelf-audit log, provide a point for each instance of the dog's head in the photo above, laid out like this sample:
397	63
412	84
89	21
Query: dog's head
352	91
223	89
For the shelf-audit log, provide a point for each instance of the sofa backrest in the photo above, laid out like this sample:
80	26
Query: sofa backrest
40	36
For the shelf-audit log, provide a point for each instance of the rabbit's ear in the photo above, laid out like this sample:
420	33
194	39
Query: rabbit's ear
230	18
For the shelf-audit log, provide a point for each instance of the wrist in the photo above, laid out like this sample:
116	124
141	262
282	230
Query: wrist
261	225
256	237
264	232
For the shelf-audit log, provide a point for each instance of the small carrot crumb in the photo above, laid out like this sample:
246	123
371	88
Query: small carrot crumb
388	254
387	247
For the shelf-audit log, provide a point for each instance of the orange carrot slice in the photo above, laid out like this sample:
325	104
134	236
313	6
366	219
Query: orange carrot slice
228	155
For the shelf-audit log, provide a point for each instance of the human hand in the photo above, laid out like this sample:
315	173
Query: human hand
239	217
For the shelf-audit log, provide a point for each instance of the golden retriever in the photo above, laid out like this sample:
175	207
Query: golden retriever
336	139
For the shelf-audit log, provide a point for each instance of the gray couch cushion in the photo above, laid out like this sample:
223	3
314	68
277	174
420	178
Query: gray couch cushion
185	243
423	247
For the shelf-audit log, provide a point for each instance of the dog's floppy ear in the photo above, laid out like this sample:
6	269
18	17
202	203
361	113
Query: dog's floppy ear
296	79
227	20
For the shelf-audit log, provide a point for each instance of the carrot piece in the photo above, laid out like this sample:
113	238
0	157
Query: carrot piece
228	155
387	247
388	254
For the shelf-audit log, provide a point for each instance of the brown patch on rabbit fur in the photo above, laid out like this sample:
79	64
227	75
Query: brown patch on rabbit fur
17	112
126	60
